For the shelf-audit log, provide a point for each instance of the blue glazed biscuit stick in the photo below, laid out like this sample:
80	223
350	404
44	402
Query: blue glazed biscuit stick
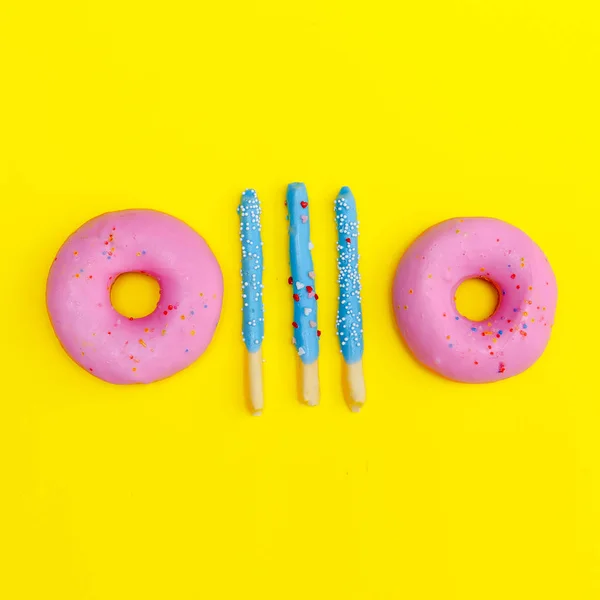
349	321
253	324
306	333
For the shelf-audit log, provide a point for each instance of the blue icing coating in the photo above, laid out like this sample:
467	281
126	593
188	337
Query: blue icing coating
253	324
349	321
306	337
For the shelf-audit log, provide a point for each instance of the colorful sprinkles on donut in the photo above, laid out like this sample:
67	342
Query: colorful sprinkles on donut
427	283
93	333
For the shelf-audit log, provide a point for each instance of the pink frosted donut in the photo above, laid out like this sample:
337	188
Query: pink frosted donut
126	350
431	270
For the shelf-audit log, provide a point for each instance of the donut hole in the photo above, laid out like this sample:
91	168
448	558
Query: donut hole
477	299
135	294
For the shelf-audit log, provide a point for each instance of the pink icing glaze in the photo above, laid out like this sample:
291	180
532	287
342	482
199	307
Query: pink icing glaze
431	270
116	348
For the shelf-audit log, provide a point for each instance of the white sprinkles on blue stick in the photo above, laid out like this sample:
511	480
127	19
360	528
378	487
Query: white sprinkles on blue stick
349	322
253	325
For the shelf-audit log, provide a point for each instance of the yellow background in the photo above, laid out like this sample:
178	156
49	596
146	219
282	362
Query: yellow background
428	110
